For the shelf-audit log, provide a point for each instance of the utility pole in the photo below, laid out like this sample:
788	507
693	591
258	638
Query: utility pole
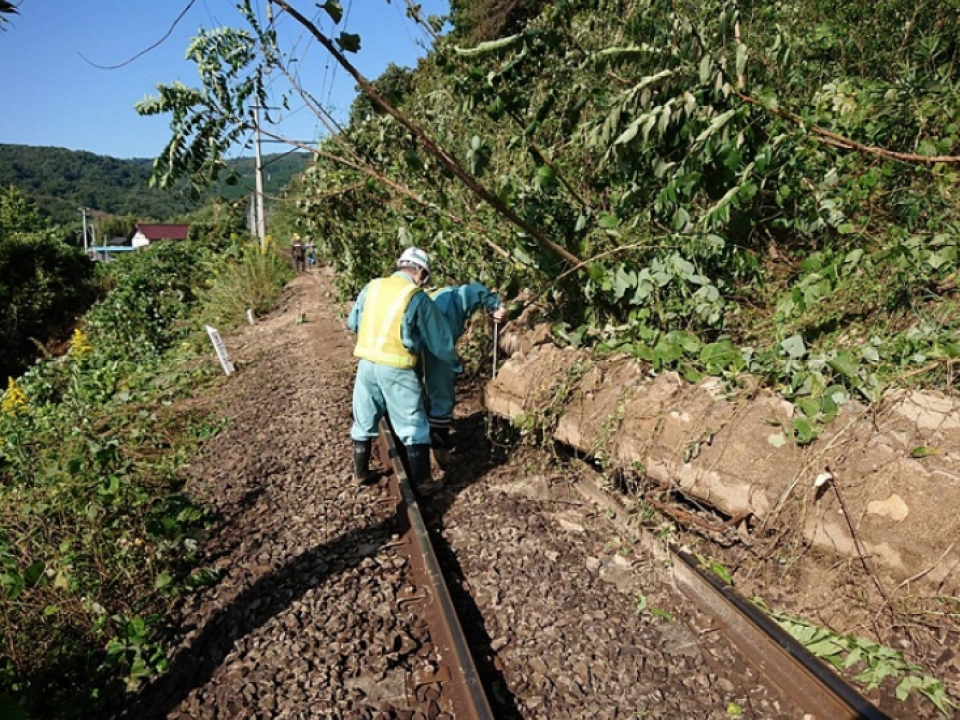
83	211
261	218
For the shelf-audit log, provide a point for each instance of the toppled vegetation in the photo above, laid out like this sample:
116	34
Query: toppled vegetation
750	188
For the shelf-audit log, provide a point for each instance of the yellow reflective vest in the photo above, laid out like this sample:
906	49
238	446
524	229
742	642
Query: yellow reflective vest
378	337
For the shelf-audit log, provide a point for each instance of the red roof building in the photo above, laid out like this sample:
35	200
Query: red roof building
151	233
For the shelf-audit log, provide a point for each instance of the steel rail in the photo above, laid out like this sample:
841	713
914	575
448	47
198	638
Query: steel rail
794	669
782	659
466	691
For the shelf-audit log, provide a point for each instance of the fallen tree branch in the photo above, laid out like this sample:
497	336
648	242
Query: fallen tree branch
445	158
844	143
363	167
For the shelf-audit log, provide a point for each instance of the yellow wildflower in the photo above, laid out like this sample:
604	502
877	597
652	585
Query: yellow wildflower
14	399
80	347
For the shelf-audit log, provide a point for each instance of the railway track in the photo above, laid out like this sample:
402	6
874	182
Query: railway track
773	653
463	694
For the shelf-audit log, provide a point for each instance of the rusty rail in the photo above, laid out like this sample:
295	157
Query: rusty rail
800	675
796	671
462	685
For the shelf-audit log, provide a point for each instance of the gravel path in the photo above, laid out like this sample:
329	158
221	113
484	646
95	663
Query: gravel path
305	620
565	619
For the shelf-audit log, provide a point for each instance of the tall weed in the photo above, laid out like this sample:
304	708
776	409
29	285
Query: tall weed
251	282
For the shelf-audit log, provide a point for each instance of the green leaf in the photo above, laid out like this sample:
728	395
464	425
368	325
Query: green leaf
805	431
34	574
844	364
809	406
906	686
706	66
641	351
496	108
608	221
825	648
719	356
721	572
334	10
490	46
11	585
691	374
741	62
623	281
349	42
665	354
922	451
661	613
794	346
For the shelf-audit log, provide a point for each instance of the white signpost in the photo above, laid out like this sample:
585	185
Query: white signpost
250	318
218	345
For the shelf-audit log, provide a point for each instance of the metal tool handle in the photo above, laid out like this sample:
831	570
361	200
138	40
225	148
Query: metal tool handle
496	344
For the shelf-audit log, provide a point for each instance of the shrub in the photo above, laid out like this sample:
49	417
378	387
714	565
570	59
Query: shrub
153	289
45	286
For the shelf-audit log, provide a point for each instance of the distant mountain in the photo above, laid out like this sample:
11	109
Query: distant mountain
60	181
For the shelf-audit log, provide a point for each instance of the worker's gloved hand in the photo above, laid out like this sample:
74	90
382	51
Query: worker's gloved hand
499	315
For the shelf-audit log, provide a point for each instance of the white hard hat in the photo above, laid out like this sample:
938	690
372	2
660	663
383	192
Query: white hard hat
414	257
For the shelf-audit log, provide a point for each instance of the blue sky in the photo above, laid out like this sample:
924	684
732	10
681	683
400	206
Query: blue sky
51	94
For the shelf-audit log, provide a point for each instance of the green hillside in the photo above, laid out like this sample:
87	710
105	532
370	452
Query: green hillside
60	181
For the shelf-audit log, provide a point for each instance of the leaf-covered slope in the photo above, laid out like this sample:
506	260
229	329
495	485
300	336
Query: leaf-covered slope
750	186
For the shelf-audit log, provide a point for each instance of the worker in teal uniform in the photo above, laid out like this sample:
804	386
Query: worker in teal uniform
395	322
457	304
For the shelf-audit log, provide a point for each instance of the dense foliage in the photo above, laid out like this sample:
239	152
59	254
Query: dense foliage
751	186
714	187
44	284
60	181
97	539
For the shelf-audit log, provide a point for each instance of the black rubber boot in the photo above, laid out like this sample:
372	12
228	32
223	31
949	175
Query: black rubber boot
361	462
440	442
418	460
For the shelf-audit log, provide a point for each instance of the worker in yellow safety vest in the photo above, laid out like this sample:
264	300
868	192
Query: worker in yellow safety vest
394	321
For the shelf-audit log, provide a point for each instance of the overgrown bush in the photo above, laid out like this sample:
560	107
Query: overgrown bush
45	285
151	291
97	539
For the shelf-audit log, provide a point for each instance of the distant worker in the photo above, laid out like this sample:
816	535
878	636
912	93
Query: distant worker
311	252
457	304
297	253
395	321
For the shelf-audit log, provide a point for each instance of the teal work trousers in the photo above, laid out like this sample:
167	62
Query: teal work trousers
396	392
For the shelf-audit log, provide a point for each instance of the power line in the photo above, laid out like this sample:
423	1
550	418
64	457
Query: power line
146	50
